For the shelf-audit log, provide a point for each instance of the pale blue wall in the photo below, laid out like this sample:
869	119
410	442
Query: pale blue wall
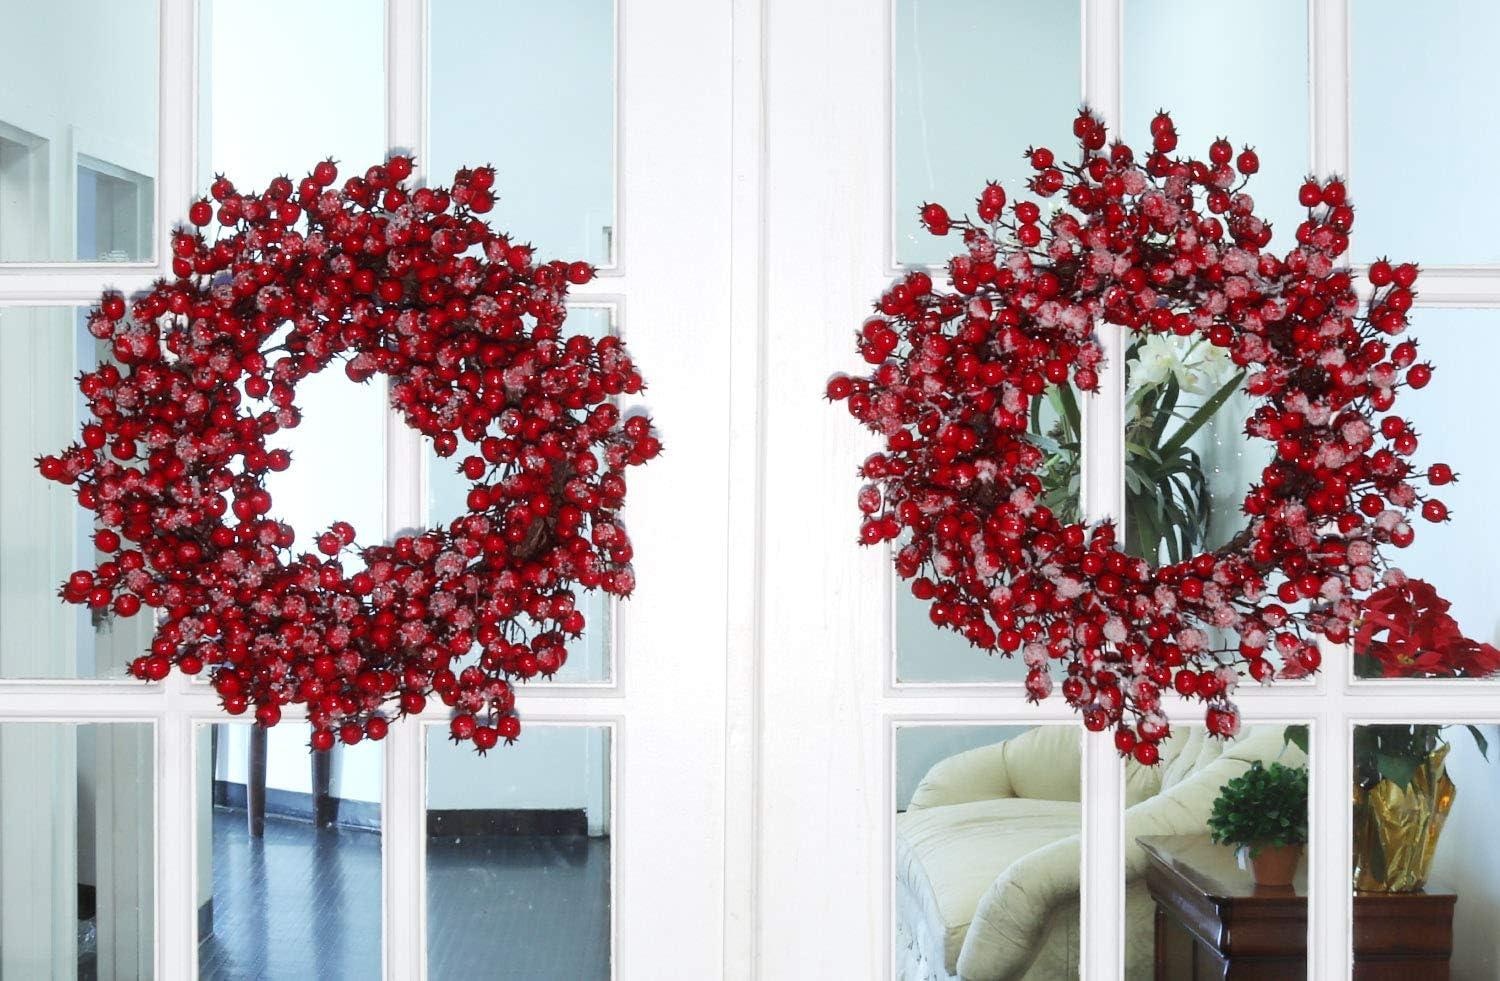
1460	557
919	747
528	88
1226	68
1425	131
976	83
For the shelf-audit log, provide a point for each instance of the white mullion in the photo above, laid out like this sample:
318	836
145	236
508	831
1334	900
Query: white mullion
404	937
72	285
1436	708
175	820
1102	894
1458	286
176	839
1330	906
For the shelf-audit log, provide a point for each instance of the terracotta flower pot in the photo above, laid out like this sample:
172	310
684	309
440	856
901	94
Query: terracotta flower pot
1275	865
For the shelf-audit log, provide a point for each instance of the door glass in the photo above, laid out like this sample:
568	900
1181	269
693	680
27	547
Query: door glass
1217	827
1424	803
338	450
339	89
975	85
1420	120
987	851
76	839
589	653
1171	46
289	886
115	208
44	534
930	653
1461	344
518	856
536	100
78	98
1188	462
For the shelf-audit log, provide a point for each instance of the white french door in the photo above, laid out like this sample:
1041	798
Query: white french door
745	182
614	120
873	108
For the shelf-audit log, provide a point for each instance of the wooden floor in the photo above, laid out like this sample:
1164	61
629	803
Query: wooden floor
304	904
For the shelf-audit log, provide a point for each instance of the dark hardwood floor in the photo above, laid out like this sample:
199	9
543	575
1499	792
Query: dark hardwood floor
303	903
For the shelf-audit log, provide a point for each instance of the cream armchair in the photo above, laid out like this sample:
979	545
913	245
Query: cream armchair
987	852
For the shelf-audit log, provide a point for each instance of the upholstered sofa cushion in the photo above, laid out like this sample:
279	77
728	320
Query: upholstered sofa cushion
947	858
991	867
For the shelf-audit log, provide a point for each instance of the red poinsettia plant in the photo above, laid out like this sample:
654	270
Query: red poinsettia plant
1406	632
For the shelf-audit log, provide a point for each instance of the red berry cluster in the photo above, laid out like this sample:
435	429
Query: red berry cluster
468	327
1168	243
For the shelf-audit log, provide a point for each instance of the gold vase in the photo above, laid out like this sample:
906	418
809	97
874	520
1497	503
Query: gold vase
1396	828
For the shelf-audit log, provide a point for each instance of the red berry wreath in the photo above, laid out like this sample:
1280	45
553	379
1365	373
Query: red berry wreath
468	328
1172	245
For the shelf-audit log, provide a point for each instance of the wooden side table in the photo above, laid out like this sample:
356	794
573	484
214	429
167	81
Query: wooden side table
1213	921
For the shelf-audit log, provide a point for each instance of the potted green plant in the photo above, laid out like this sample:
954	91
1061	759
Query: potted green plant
1173	387
1402	789
1262	813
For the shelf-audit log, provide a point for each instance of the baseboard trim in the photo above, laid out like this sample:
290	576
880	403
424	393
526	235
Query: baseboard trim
497	821
444	823
298	806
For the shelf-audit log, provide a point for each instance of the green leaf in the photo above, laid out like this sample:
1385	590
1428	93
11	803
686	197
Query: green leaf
1203	414
1262	806
1046	444
1479	740
1148	532
1397	768
1070	406
1297	736
1164	411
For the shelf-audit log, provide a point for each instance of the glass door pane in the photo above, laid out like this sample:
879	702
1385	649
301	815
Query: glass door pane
1215	855
957	124
290	883
77	847
987	851
1425	797
78	131
530	89
518	856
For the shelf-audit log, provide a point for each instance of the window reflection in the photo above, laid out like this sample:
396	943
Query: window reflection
78	133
